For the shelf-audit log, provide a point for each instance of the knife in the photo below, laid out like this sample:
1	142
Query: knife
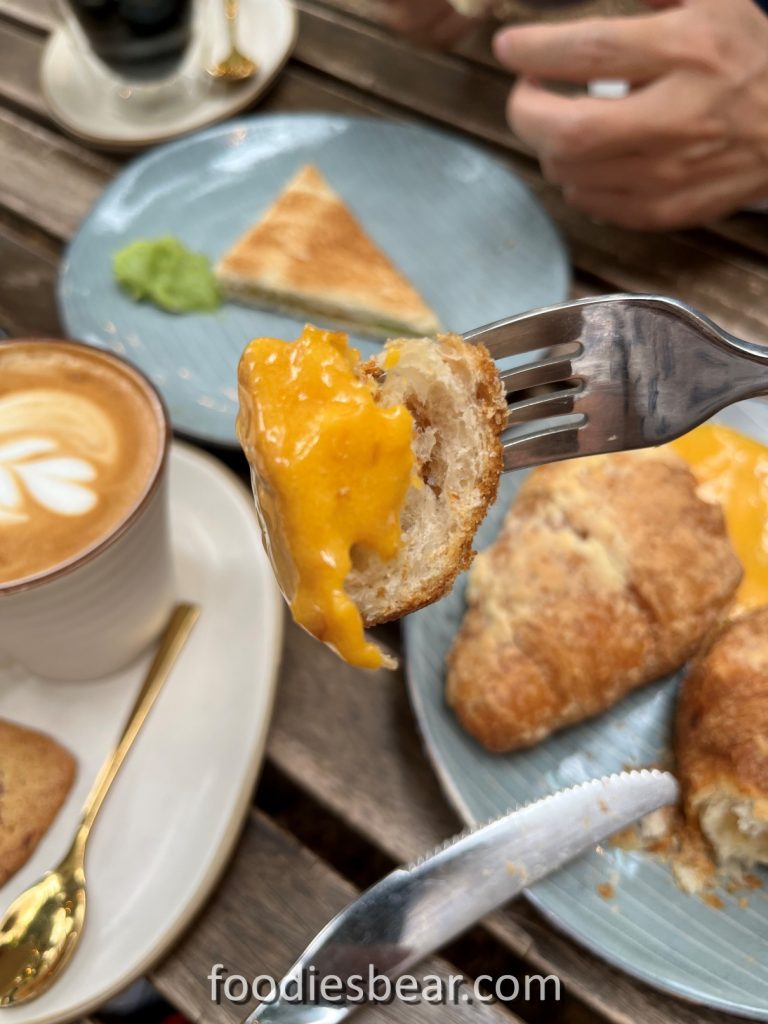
417	909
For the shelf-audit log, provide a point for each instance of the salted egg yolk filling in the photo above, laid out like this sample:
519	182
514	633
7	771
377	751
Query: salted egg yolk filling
732	469
331	472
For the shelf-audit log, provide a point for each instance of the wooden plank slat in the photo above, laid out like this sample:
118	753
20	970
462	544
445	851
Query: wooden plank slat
348	738
747	229
19	79
475	47
439	85
46	179
38	15
274	898
27	290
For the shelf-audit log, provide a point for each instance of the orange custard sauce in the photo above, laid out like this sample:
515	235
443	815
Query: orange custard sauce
733	470
331	470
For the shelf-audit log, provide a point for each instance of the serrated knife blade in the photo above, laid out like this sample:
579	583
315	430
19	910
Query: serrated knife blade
417	909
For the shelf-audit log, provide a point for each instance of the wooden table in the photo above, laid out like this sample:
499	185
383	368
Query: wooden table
347	790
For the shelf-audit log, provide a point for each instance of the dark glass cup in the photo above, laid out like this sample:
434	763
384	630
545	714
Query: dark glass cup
140	42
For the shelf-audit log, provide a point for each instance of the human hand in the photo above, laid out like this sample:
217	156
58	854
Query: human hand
428	21
690	141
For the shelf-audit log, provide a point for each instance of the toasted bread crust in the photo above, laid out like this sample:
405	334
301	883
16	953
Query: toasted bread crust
36	774
721	729
422	584
608	573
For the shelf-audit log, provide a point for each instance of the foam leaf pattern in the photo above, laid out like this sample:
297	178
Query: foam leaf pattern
53	445
55	482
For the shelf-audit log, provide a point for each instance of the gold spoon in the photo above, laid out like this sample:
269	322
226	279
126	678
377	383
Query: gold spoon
235	67
42	927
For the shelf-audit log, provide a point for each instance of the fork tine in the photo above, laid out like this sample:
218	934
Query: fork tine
548	445
552	370
526	332
539	407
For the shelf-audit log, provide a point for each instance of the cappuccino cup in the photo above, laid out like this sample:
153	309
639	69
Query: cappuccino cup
86	569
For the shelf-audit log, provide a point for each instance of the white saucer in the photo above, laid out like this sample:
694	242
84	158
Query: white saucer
168	826
81	101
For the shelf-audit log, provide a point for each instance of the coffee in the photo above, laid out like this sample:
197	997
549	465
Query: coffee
82	438
140	40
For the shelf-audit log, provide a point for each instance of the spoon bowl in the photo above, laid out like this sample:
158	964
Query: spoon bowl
40	931
235	67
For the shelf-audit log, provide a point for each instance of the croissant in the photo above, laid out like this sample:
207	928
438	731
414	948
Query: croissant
608	573
721	740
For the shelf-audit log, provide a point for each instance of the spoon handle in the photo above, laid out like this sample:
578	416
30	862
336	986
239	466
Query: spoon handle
174	637
231	12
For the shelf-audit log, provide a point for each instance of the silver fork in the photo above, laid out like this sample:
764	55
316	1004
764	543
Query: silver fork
619	372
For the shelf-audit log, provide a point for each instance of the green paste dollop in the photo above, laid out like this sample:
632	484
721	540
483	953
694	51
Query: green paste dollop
166	272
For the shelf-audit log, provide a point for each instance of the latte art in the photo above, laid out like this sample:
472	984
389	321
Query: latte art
51	470
80	441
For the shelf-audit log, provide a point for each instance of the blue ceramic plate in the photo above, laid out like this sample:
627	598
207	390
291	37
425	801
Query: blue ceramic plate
465	231
650	928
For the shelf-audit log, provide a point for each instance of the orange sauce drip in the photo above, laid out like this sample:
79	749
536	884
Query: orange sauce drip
733	470
333	469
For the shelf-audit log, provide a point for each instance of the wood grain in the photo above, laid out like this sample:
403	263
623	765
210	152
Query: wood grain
27	290
38	14
274	899
19	80
46	179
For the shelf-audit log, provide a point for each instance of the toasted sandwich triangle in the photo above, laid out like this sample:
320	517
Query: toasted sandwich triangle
310	256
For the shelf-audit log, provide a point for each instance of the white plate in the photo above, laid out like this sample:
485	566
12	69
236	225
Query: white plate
78	100
175	811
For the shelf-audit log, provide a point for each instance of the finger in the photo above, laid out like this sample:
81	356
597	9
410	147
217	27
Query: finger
648	175
636	48
681	208
654	117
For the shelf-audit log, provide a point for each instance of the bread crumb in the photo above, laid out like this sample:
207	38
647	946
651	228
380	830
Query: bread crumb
606	891
666	835
712	900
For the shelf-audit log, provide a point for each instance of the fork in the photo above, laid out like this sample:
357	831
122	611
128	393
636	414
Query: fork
619	372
